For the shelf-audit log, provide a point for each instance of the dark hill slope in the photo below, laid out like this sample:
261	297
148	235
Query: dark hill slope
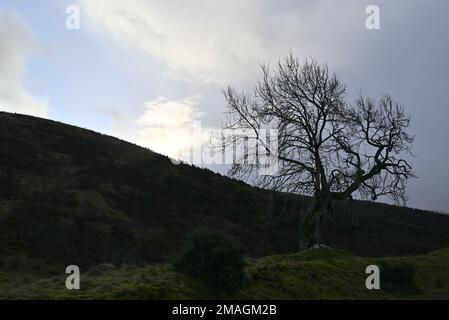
70	194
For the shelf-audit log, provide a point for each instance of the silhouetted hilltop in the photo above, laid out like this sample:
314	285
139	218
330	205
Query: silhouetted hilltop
71	194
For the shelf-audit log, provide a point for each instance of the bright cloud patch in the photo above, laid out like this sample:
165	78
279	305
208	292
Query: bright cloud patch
16	42
206	41
166	126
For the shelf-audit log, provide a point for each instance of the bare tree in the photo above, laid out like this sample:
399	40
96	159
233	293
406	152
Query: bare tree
326	148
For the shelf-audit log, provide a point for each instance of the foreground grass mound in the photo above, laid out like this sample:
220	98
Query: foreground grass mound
315	274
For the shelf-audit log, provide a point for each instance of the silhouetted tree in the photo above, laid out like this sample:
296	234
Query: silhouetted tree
327	148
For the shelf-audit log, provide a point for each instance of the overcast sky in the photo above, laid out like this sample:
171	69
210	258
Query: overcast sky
140	69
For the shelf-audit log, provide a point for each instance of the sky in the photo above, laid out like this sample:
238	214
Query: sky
145	70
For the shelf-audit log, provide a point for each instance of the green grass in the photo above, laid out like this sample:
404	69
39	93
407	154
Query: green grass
317	274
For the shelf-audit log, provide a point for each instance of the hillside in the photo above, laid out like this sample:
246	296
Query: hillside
70	194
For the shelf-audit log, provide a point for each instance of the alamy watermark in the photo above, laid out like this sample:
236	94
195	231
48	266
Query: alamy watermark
373	280
72	282
372	21
73	17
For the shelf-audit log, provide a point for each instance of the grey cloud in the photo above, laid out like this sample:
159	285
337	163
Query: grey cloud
407	57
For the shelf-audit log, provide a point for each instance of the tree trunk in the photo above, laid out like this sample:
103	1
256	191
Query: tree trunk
314	221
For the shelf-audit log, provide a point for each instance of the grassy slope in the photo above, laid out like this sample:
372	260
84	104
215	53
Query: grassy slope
69	195
318	274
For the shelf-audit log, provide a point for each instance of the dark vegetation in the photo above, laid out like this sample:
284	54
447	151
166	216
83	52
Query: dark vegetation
76	196
215	258
398	275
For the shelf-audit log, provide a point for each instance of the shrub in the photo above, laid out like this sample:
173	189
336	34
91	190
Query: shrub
398	275
213	257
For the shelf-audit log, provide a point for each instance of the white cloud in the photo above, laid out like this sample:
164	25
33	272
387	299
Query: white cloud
16	42
211	42
166	126
204	41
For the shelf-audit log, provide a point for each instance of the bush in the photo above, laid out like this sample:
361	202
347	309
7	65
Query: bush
398	275
214	258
